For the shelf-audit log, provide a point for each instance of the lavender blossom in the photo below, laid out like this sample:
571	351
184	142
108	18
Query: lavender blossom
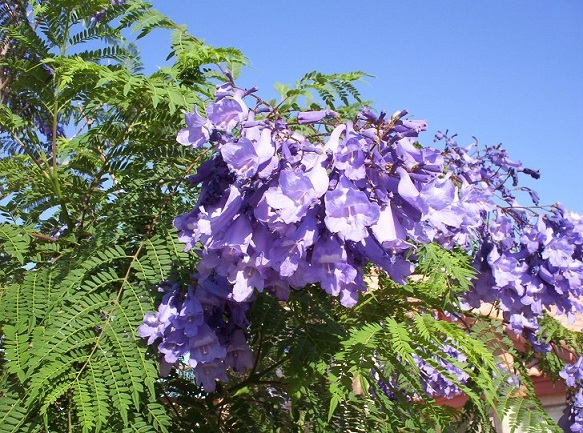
349	212
315	116
197	132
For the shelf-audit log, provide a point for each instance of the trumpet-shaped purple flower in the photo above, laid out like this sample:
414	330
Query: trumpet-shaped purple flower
190	317
245	157
174	345
350	157
205	347
558	251
574	414
245	277
208	373
239	356
229	109
287	251
407	189
294	195
152	328
330	267
156	326
235	238
197	132
388	231
216	219
306	117
349	212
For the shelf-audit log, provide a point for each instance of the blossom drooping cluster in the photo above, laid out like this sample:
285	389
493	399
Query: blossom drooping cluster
572	420
435	383
527	262
543	267
201	328
286	202
279	209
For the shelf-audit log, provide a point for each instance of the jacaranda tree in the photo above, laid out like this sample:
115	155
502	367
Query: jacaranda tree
180	254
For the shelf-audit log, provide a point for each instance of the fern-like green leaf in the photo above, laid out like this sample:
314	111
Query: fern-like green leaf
12	415
16	350
14	240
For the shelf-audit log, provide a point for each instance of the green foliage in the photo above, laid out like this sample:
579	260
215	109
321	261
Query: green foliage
316	91
84	245
70	336
15	241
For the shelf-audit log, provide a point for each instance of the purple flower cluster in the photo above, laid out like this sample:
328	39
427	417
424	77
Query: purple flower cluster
527	262
435	383
572	420
201	329
281	210
285	203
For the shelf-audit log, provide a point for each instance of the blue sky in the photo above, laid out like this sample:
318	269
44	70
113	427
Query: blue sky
504	71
